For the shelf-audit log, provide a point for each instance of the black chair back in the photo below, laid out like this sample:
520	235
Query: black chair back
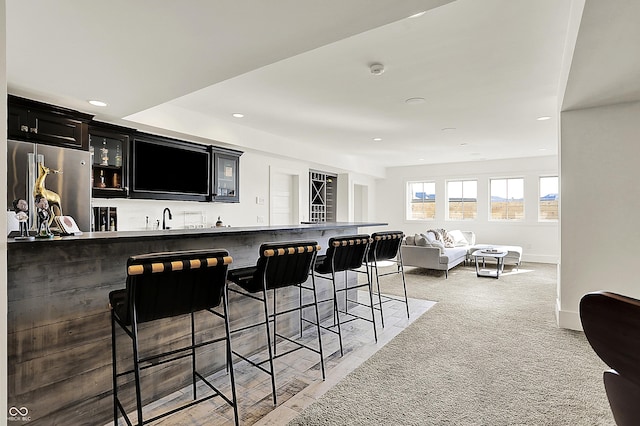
384	245
344	253
283	264
162	285
611	323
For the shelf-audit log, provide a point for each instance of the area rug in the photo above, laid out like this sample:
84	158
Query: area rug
488	353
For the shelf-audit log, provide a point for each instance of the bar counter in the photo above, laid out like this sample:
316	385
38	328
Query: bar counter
59	331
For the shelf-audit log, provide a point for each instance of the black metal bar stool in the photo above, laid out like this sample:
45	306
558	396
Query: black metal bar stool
166	285
344	254
280	265
386	247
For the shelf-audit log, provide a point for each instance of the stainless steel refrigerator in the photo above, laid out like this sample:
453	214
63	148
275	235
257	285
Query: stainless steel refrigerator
73	184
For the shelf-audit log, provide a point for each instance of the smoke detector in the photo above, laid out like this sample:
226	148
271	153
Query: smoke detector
376	69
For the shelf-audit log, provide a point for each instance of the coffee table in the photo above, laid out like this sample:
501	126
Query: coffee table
498	255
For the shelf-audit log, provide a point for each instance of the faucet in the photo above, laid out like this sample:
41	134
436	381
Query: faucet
166	210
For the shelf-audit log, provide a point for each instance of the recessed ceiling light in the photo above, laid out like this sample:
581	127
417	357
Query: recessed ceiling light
98	103
377	139
542	149
417	15
543	118
414	101
238	115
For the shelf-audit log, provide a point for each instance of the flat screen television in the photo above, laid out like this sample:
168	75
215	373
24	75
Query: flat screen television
170	169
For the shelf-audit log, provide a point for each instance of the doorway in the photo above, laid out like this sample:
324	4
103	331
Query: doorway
360	203
284	193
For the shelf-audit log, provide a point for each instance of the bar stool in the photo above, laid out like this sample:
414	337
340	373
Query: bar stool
166	285
344	254
280	265
386	247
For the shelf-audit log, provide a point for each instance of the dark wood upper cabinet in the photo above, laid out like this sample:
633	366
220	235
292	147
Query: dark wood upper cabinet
109	147
42	123
127	163
226	175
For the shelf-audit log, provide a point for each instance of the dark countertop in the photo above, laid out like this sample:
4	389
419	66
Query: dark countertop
196	232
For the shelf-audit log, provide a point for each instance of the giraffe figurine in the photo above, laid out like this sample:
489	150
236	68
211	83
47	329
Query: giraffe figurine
52	198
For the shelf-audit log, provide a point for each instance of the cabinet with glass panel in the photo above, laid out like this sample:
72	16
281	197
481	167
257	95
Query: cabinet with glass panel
108	146
226	171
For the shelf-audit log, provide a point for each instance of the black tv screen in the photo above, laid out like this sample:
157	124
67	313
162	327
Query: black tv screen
170	170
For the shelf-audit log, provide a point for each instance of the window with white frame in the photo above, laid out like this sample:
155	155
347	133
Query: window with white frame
421	200
462	199
507	199
548	198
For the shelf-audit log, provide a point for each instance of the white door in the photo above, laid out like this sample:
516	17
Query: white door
284	198
360	203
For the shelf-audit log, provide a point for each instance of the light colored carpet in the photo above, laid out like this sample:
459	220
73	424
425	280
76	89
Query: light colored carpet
489	353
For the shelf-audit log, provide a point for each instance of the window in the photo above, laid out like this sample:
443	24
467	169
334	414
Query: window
507	199
548	198
422	200
462	199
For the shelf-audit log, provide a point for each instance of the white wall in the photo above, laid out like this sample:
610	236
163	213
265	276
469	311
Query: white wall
600	205
539	240
254	184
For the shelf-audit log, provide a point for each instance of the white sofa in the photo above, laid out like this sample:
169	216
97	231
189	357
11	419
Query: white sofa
425	251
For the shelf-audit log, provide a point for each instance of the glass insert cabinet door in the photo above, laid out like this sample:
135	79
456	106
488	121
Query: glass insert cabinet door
226	177
108	160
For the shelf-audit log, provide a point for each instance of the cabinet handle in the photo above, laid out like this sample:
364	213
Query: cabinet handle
24	128
33	130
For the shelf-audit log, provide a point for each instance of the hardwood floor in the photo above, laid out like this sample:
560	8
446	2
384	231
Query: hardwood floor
298	378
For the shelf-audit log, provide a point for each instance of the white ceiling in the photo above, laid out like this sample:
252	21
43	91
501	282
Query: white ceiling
299	71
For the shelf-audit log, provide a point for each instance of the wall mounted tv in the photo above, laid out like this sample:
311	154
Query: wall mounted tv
170	169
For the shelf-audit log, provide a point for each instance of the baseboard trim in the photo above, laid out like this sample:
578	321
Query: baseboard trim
540	258
568	319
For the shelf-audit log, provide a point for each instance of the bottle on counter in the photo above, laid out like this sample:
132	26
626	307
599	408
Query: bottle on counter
112	225
219	222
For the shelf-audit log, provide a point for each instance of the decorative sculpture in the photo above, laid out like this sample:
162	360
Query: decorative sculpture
53	199
21	208
44	217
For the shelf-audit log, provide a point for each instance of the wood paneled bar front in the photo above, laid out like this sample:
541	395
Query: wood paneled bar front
59	331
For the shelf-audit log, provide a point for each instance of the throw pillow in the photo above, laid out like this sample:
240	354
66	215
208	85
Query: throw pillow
458	238
410	240
446	238
432	235
442	235
421	241
439	244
